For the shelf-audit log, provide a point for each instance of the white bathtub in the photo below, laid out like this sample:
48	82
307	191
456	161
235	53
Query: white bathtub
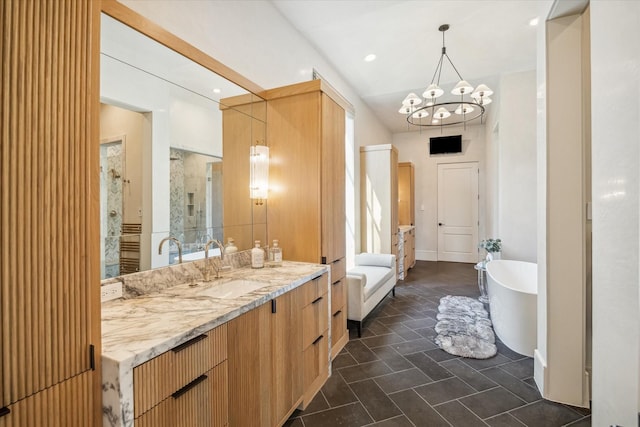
513	293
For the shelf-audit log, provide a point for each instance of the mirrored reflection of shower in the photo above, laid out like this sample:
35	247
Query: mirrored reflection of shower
111	203
196	199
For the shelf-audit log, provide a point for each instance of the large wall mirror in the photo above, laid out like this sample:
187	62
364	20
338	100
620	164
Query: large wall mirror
174	154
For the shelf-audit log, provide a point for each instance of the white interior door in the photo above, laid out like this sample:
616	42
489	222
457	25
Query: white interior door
458	212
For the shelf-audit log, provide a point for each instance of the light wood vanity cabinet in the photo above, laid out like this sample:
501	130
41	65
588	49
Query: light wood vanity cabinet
275	356
306	136
185	386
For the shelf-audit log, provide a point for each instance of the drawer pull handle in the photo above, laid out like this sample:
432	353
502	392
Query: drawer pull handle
4	411
336	313
337	282
189	386
316	300
317	339
186	344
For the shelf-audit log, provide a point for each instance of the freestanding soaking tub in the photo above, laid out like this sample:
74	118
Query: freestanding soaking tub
513	293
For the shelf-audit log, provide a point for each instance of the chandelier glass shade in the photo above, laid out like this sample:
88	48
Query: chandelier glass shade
430	111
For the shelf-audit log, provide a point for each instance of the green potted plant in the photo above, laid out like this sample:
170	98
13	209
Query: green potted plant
493	248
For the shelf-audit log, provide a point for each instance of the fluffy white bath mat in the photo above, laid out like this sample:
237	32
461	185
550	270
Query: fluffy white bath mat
464	328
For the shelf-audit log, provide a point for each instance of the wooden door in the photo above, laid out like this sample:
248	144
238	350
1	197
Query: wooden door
406	199
293	214
458	212
249	364
286	339
333	181
49	212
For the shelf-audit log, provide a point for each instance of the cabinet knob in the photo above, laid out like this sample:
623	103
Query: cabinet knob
440	224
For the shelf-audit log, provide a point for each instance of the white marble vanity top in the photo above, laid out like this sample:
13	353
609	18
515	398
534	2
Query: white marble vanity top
136	330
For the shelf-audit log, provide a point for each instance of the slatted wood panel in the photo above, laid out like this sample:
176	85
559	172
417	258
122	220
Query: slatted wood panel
162	376
249	352
68	404
49	201
286	341
204	405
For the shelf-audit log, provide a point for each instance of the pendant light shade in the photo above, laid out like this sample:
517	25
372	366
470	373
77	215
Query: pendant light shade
420	114
411	100
464	109
441	113
481	92
433	91
463	87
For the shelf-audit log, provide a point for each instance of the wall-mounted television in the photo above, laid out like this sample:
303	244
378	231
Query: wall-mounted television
445	144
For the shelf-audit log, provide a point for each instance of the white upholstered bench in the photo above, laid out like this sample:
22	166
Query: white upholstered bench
373	276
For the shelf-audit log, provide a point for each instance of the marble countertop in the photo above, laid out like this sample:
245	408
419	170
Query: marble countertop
135	330
405	228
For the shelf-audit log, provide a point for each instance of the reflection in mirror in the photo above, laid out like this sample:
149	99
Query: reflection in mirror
166	107
196	202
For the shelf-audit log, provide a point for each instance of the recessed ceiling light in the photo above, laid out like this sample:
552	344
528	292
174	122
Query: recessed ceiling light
370	57
533	22
216	90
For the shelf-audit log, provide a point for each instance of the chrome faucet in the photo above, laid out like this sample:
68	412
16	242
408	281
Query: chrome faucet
206	257
177	242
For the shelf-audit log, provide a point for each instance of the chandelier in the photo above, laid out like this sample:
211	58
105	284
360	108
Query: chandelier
446	113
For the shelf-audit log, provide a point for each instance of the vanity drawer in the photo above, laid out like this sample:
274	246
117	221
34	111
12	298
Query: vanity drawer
337	295
160	377
203	402
314	320
316	359
338	326
338	269
314	289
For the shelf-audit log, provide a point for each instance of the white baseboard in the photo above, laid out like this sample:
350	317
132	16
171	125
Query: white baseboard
539	370
426	255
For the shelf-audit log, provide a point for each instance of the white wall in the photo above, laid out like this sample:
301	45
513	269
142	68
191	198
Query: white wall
615	29
414	147
516	166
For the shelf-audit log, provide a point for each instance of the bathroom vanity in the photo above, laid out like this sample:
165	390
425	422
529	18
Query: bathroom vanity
245	349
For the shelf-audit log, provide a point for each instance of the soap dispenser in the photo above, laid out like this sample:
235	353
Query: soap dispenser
231	246
275	255
257	256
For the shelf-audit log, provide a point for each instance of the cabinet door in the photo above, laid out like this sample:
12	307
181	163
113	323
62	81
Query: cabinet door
333	180
49	272
406	199
249	363
286	387
293	214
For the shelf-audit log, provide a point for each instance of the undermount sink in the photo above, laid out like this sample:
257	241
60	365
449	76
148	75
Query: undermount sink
232	289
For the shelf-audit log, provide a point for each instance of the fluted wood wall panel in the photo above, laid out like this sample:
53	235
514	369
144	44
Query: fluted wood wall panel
68	404
49	194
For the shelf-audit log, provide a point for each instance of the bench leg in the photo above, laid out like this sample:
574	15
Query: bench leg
393	291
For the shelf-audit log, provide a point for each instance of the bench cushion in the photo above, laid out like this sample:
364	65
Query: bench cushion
376	277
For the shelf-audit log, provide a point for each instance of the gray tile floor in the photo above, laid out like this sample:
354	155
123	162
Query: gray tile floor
395	375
